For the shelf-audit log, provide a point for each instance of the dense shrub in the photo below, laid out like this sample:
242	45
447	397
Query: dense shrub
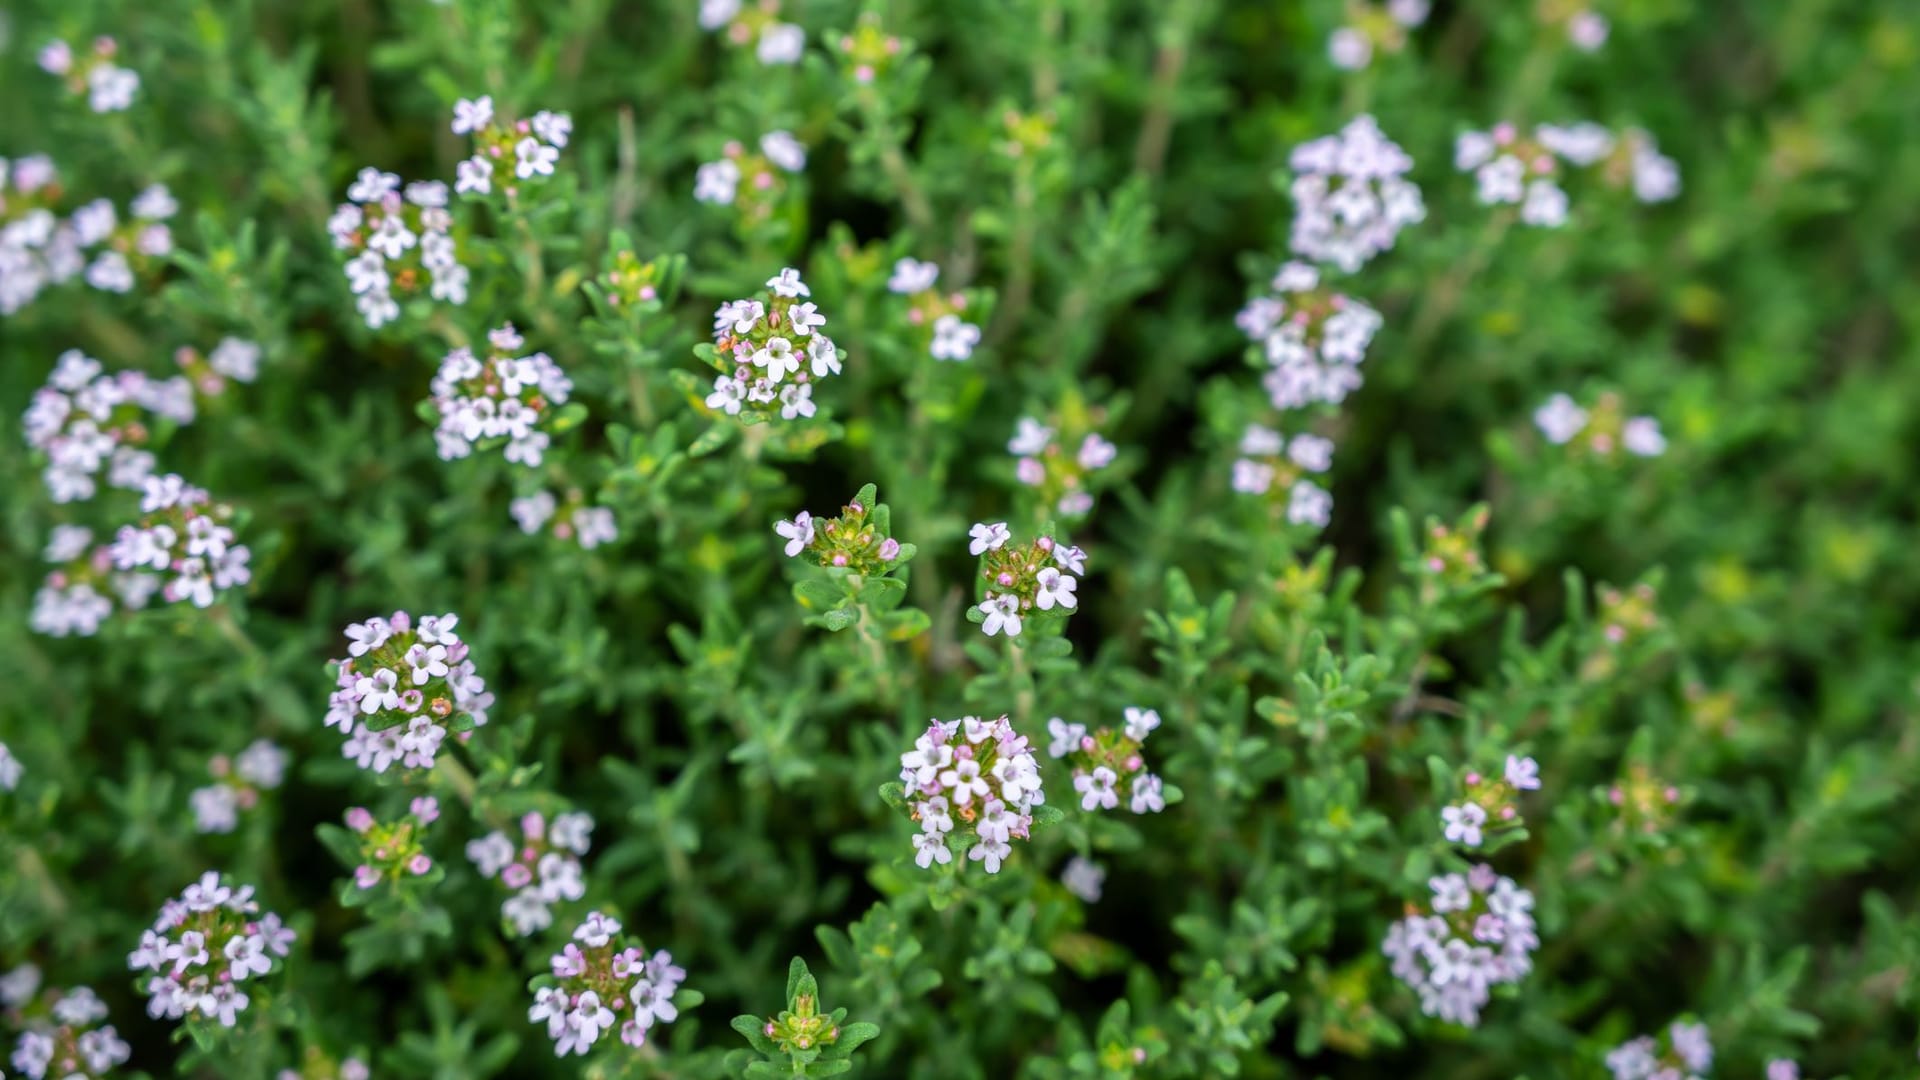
1394	516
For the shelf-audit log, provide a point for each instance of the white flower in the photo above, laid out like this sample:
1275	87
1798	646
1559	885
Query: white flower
1070	558
1311	452
110	88
988	537
953	338
554	127
372	185
777	358
1096	788
781	43
572	831
729	394
533	158
784	150
804	318
1502	180
1350	49
826	358
472	115
155	203
1587	30
1545	205
930	848
1147	795
1463	823
796	401
1140	722
216	809
475	174
1030	437
1560	419
912	276
1066	737
1055	588
10	769
1083	878
990	853
1001	614
716	182
1309	504
1641	436
798	532
787	283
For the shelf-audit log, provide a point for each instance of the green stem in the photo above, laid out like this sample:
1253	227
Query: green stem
457	777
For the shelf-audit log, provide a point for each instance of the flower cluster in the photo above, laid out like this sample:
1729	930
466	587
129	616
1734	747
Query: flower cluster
203	947
237	784
234	359
770	352
1686	1053
526	148
719	181
1275	467
35	248
589	526
597	980
181	544
1062	477
541	871
61	1034
1351	196
631	281
108	87
1312	338
402	688
1478	933
79	592
949	337
1644	802
1512	168
1021	578
1490	805
979	771
401	243
1371	28
869	50
755	25
1107	762
854	540
1626	616
1603	431
86	422
500	397
390	851
1452	553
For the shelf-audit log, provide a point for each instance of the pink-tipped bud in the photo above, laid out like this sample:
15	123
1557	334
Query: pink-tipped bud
358	819
889	549
516	876
1087	743
366	876
1616	796
1506	813
839	559
419	864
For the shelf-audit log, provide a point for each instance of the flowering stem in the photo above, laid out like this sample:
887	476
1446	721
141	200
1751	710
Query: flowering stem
1156	128
33	868
1442	300
457	777
876	649
1020	679
894	164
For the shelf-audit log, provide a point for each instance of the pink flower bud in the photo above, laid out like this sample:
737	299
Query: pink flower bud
419	864
358	819
1473	779
366	876
533	825
516	876
1087	743
889	549
839	559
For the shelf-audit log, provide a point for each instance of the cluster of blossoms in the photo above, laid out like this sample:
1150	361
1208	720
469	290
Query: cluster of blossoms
1685	1054
852	540
1478	932
1453	554
234	359
402	688
597	978
392	850
400	244
979	771
869	50
757	26
1062	478
78	593
541	871
181	544
1084	878
528	148
237	784
203	947
1512	168
1645	803
770	352
108	86
38	249
1490	801
1370	28
718	181
1023	577
1351	196
86	421
61	1034
1108	761
1275	467
1602	431
1626	616
950	337
500	397
631	281
589	526
1313	338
